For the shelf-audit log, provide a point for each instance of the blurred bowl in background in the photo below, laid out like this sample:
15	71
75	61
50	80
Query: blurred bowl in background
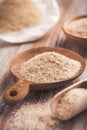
77	37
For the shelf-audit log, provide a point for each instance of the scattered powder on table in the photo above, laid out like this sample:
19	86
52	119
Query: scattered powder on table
65	104
49	67
32	117
78	28
18	14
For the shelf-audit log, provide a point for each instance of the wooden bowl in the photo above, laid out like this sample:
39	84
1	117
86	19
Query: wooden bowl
77	40
18	91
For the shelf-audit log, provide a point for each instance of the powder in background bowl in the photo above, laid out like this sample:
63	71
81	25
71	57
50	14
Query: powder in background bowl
18	14
49	67
78	28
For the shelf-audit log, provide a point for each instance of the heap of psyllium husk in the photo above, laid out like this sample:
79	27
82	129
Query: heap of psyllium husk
32	117
18	14
49	67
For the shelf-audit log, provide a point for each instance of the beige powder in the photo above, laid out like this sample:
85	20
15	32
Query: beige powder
65	105
32	117
18	14
78	28
49	67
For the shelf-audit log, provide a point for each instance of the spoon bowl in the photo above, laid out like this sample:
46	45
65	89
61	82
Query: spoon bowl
80	103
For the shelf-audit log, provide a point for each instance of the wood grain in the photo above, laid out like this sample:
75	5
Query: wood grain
54	37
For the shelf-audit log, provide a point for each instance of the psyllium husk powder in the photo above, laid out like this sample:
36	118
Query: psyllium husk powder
18	14
49	67
78	28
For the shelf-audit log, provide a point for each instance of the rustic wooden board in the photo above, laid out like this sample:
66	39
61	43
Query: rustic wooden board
54	38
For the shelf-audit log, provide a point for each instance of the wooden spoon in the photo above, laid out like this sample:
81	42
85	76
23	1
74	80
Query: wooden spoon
18	91
80	103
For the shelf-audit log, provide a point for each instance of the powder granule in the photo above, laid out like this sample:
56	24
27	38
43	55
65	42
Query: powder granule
18	14
65	104
31	117
49	67
78	28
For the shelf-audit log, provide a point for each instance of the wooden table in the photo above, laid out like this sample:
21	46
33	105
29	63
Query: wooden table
7	51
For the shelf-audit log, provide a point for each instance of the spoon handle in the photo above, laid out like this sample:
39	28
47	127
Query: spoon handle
16	92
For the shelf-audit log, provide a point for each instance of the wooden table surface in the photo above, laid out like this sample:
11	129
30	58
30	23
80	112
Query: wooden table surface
55	37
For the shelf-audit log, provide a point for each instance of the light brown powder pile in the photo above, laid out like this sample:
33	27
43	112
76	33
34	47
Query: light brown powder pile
18	14
65	104
78	28
49	67
32	117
